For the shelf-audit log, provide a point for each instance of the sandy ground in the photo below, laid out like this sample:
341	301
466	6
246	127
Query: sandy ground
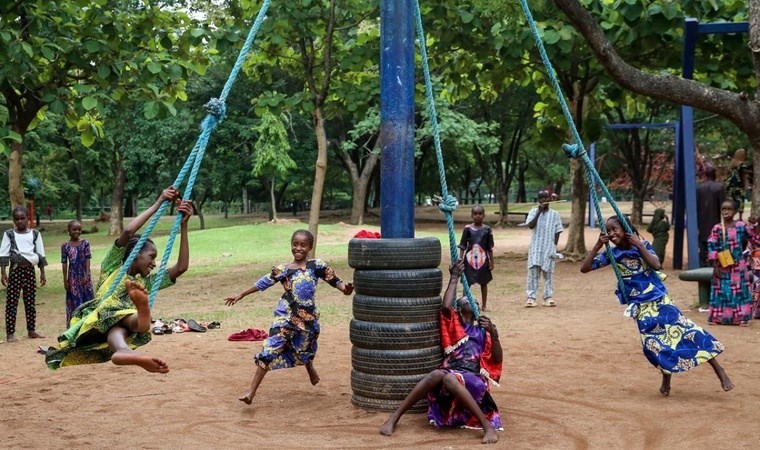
575	378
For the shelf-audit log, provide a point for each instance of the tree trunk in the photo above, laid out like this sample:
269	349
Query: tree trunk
319	176
15	174
637	208
246	204
576	242
273	215
117	225
503	197
360	184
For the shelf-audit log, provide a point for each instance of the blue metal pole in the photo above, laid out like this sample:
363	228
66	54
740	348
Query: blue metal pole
397	119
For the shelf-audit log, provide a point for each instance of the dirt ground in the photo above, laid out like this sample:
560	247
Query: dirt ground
575	378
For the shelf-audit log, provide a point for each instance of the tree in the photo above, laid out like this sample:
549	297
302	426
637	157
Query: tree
270	156
730	102
73	57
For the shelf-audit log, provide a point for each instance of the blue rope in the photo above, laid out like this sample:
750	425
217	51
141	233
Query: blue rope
447	203
577	150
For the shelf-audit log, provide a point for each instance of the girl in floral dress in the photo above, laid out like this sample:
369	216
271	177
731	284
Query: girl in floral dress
293	335
75	259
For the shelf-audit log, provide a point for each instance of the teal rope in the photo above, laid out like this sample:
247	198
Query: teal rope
216	111
447	204
577	150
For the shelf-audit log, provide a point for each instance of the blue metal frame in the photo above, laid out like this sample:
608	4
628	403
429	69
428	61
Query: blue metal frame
397	118
685	189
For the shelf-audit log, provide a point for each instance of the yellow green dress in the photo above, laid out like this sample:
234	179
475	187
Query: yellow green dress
85	342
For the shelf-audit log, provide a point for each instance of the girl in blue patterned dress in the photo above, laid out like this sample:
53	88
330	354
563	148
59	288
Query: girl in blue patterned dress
75	260
293	335
730	298
671	342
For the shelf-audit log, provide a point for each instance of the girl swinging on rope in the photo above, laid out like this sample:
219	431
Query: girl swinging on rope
112	327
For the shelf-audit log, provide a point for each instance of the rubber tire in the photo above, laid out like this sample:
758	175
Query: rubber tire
388	387
395	309
411	253
399	283
396	362
374	404
394	336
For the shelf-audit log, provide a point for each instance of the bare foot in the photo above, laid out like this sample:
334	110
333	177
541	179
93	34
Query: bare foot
137	294
313	375
490	436
132	358
665	387
11	339
35	335
389	426
725	382
247	398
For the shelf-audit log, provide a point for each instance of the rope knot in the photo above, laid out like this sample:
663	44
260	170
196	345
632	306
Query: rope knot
572	150
216	108
447	203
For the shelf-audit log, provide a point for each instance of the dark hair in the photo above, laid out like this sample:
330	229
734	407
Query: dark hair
131	245
477	207
623	221
307	233
72	222
20	209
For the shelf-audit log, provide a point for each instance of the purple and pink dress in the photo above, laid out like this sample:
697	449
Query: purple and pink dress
80	282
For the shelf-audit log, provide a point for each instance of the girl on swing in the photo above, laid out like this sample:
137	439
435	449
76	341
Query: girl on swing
671	342
112	327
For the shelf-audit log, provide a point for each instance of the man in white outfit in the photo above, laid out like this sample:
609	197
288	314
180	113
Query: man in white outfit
547	226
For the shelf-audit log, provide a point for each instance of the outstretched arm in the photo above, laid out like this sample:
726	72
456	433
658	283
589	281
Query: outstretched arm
183	260
169	194
229	301
455	270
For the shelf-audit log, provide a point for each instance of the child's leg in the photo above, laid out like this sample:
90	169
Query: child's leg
665	386
11	303
313	375
125	356
117	336
420	391
140	322
725	382
464	397
30	302
533	274
484	295
258	376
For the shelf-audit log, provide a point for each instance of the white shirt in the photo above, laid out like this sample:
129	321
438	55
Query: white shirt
26	246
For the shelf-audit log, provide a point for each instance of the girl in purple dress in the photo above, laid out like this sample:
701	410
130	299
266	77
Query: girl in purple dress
75	258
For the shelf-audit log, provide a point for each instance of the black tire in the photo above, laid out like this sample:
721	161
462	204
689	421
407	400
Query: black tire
399	283
374	404
394	336
396	362
412	253
387	387
397	310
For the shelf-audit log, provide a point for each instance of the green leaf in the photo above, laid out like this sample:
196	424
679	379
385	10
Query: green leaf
89	103
15	137
48	53
150	110
551	37
104	71
92	46
27	49
197	32
87	139
154	68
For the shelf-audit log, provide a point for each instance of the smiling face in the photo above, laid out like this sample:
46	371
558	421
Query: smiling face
300	246
75	230
616	232
728	210
145	261
20	219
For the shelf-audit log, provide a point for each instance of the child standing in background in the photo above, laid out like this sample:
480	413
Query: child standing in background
476	249
22	249
546	225
75	260
730	299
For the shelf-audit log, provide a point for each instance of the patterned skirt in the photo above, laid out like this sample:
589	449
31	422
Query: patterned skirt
292	338
671	342
445	411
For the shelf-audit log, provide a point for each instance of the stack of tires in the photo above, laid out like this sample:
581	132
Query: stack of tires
394	332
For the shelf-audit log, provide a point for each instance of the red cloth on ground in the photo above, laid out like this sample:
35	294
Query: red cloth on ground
250	334
366	234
